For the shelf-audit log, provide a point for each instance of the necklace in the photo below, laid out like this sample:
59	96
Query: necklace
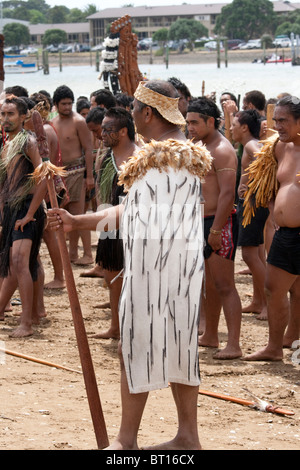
167	133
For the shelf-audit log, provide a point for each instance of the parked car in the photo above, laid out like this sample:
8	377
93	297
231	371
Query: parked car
52	48
66	48
12	50
28	50
83	48
234	43
143	45
282	41
212	45
252	44
98	47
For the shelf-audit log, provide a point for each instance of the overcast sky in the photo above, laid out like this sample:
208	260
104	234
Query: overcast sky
101	4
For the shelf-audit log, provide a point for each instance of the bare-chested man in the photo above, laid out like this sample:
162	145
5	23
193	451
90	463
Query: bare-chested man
75	142
118	135
22	214
220	228
245	129
283	262
43	106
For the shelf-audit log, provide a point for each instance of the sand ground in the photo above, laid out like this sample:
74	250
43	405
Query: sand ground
46	408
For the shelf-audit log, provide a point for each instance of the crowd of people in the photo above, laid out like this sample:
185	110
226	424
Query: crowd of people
144	172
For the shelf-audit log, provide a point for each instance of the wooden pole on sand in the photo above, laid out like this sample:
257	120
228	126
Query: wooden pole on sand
270	122
48	170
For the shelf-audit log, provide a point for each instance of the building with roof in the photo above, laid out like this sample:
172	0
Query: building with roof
145	20
148	19
76	32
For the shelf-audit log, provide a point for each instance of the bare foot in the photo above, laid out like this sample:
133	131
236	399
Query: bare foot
244	271
176	444
228	353
109	334
55	284
94	272
263	316
1	317
265	354
288	342
8	308
21	332
207	342
252	308
84	260
117	445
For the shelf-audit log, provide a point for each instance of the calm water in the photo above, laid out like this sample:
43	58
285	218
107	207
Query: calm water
271	79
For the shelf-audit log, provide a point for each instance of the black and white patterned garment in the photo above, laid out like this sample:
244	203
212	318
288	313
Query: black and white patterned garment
162	229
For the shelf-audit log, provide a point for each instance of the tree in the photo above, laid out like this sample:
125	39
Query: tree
287	28
58	14
187	29
54	36
246	19
76	16
90	9
16	34
36	17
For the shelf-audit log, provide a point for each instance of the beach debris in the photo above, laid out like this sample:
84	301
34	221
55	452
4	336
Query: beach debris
257	404
39	361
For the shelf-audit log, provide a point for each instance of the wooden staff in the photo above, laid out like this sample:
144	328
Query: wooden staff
203	87
259	404
39	361
2	73
227	125
48	171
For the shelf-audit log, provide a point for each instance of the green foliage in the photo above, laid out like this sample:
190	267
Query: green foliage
266	40
36	17
58	14
246	19
287	28
16	34
76	16
187	29
161	35
54	36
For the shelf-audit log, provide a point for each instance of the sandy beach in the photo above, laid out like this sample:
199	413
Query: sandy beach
46	408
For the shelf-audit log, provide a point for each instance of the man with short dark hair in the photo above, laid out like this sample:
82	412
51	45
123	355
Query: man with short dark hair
102	98
22	214
255	99
76	153
118	136
220	228
183	92
245	130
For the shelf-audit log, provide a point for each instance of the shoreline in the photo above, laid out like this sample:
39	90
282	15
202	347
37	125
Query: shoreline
194	57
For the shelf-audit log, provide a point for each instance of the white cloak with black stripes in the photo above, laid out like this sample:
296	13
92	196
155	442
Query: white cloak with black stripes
162	230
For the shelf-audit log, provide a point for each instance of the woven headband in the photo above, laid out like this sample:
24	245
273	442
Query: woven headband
166	106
